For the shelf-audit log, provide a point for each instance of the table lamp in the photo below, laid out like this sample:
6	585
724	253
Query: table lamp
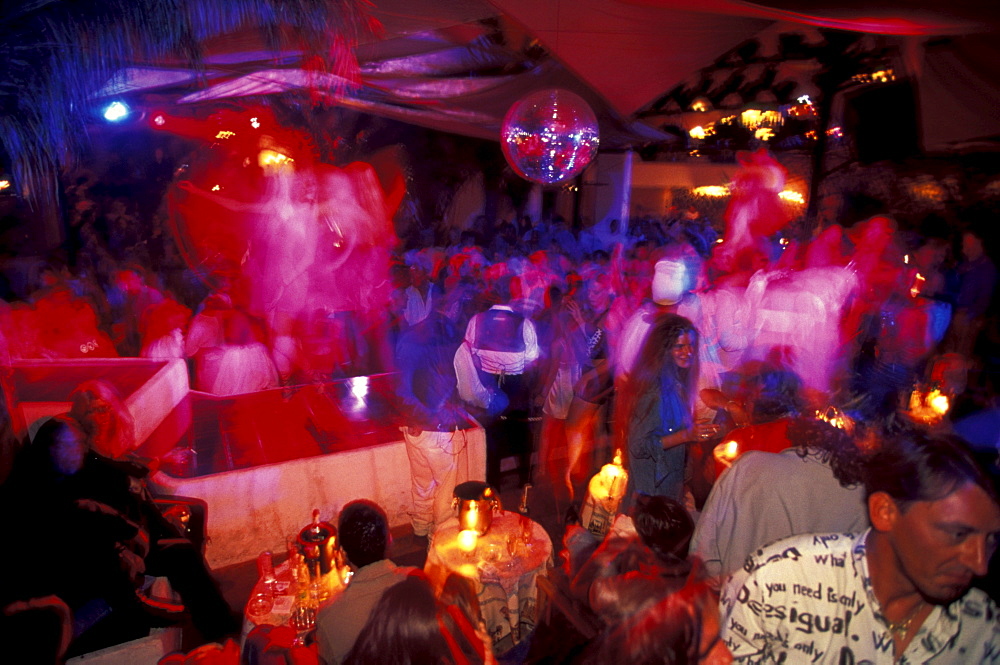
604	496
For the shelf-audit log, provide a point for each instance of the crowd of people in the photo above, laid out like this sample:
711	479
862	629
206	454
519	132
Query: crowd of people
566	347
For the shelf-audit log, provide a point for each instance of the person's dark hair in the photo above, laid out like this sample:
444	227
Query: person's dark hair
460	615
668	631
402	629
363	531
632	580
48	622
914	466
664	526
501	289
655	355
778	393
57	450
834	446
460	591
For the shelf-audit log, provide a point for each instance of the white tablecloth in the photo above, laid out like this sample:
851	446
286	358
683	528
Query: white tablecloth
505	585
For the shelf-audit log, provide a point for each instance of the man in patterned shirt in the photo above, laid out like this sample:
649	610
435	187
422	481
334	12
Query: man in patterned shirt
896	593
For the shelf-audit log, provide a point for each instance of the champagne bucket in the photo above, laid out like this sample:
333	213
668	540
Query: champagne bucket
475	502
319	541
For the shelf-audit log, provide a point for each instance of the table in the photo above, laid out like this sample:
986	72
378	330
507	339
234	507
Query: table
505	585
284	598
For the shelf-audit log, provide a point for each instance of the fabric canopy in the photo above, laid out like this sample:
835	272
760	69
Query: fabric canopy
458	66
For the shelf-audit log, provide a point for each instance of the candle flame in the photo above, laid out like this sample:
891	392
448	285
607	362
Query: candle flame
938	402
727	452
929	406
467	539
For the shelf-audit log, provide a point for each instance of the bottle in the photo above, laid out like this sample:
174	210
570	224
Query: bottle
303	582
524	523
619	478
315	527
306	602
523	508
265	568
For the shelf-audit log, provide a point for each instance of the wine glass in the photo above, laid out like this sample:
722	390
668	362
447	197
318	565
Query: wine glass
260	604
527	527
512	541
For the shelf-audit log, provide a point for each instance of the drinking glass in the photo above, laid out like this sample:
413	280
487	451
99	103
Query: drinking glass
512	541
260	604
303	617
526	530
306	607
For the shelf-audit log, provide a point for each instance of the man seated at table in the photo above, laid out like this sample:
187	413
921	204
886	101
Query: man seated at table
363	531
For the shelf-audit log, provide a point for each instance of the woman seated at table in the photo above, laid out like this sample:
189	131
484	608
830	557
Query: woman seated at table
57	544
642	560
460	592
409	626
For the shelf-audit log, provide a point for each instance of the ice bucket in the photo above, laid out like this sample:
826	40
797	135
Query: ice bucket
475	502
317	542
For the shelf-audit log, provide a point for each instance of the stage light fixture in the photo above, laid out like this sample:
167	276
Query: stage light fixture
116	111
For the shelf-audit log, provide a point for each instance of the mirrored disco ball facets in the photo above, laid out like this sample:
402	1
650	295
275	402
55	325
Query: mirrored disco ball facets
549	136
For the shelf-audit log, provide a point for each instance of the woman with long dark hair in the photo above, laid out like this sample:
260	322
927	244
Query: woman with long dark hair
655	410
409	627
681	629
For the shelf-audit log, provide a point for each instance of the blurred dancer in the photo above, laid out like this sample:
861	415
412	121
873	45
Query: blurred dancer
494	367
978	278
433	434
229	357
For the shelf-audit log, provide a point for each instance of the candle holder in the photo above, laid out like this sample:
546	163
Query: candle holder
928	405
604	496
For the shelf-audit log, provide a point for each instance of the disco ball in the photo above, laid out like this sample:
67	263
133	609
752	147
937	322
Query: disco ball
549	136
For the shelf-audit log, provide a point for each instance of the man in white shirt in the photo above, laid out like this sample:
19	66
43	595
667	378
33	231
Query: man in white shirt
896	593
493	367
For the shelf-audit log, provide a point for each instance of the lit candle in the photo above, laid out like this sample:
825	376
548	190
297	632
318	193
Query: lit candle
930	406
938	402
467	540
727	452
